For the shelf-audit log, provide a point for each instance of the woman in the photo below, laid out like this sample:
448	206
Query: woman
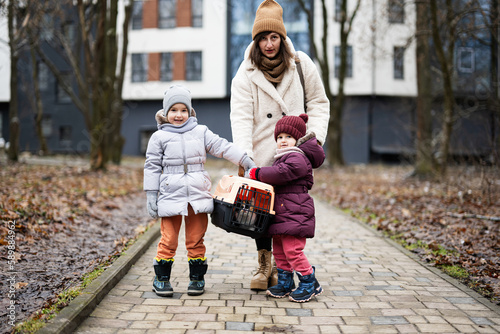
267	87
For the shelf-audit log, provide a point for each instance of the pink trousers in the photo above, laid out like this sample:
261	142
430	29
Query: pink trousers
289	254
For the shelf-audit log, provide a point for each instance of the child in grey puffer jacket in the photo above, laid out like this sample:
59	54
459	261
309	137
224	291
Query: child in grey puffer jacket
177	185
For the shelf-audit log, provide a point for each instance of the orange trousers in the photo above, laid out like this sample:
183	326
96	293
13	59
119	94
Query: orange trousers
195	229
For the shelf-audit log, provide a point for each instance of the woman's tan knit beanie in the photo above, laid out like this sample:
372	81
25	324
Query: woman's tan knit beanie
269	17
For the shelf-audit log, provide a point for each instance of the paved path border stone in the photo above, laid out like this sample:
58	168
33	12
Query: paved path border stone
372	285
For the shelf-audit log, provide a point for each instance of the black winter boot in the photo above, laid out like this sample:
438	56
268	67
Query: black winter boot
197	270
285	284
308	288
161	283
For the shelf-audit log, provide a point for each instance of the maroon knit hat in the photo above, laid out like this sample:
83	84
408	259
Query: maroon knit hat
292	125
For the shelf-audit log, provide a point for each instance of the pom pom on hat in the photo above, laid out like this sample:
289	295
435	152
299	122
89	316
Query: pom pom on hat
176	94
269	17
292	125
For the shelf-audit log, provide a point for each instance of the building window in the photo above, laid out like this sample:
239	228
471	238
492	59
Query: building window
43	76
338	10
399	62
348	73
396	11
166	67
137	15
144	140
69	32
465	59
47	33
46	125
193	66
139	67
197	13
61	95
65	135
167	13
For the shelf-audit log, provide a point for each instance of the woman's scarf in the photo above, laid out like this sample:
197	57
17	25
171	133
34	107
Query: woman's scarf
273	69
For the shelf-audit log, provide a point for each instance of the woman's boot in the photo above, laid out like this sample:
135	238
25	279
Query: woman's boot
308	288
261	278
273	279
161	282
285	284
197	270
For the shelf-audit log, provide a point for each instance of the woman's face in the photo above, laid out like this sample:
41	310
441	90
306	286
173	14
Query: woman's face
270	44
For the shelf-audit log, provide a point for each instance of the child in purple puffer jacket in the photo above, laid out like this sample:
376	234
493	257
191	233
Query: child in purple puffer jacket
292	176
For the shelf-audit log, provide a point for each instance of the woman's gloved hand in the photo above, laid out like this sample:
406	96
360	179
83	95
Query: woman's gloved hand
152	203
247	164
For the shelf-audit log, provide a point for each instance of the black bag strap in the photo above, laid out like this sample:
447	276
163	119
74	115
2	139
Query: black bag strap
301	75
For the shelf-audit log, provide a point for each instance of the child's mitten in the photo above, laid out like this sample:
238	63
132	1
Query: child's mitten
253	174
152	204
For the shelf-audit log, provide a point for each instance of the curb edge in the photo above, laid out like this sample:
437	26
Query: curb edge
82	306
453	281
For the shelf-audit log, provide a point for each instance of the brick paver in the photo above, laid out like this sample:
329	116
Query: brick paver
370	286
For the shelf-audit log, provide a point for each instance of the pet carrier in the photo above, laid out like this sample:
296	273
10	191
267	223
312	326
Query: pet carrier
243	206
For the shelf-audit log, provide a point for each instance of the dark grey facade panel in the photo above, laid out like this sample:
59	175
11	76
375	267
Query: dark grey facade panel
373	128
139	121
355	136
4	115
392	125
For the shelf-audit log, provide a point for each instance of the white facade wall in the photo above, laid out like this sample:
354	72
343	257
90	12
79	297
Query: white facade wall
372	48
211	40
4	60
372	52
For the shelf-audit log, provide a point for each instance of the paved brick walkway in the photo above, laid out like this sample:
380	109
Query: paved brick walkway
370	286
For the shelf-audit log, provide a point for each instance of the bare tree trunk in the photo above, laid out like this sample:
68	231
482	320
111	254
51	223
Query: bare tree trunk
13	152
494	17
335	143
334	138
323	59
100	97
44	150
93	61
446	63
117	109
424	161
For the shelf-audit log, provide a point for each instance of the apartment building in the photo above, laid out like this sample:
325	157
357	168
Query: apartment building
200	44
4	79
175	42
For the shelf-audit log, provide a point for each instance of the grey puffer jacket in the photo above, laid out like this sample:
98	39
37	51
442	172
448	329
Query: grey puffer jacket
174	166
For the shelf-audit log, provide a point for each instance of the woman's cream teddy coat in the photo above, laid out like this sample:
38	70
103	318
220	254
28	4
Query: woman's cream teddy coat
256	105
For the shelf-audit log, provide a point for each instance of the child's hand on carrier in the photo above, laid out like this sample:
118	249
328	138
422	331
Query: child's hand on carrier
253	174
152	204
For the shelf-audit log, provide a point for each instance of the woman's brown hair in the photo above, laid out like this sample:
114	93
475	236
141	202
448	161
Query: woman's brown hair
285	54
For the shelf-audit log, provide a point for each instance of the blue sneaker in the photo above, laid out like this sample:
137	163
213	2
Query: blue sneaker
308	288
197	270
285	285
161	282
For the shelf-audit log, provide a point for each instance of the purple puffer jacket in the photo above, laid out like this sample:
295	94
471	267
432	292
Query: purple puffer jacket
291	175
